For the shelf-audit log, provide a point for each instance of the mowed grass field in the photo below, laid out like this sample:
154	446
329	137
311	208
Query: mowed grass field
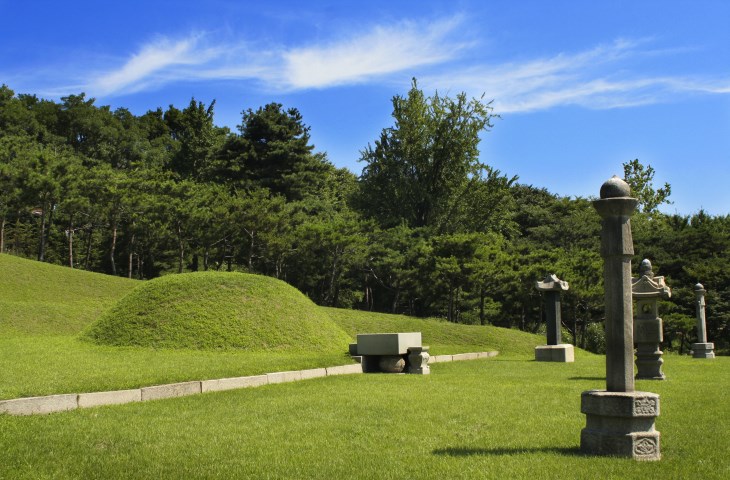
505	417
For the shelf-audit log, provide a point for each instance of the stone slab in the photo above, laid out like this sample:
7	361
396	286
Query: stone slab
488	354
314	373
171	390
464	356
441	358
345	369
39	405
117	397
222	384
387	343
555	353
284	377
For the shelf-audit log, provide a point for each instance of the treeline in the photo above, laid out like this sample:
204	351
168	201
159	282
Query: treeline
426	229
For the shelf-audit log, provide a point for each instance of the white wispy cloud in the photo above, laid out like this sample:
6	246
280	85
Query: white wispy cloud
374	53
382	51
605	76
597	78
154	64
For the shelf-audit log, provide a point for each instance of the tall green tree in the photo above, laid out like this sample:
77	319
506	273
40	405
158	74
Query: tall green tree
272	151
424	168
641	180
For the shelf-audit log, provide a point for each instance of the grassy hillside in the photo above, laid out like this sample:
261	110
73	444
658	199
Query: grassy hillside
218	310
42	352
443	337
38	298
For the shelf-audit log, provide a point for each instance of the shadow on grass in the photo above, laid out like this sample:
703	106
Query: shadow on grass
586	378
467	452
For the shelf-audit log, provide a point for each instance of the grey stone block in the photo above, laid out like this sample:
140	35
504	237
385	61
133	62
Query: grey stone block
620	424
344	369
703	350
387	343
314	373
465	356
555	353
636	445
171	390
222	384
284	377
418	358
487	354
441	359
620	404
39	405
116	397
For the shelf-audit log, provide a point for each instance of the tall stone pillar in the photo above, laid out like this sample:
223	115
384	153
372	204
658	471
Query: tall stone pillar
554	351
701	349
619	420
648	329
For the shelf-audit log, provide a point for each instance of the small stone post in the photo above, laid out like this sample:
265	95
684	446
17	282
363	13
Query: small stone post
648	331
418	360
619	420
701	349
554	351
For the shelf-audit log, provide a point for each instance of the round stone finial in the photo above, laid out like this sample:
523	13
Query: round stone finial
615	187
645	268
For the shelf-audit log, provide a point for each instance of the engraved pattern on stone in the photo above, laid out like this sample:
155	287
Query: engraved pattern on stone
645	447
645	406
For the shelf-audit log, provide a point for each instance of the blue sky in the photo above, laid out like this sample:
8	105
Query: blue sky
581	86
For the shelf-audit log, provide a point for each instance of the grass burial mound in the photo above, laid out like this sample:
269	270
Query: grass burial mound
212	310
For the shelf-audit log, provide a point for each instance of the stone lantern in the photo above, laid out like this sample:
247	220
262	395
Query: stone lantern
648	331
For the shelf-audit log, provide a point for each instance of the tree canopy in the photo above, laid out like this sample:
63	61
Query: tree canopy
428	228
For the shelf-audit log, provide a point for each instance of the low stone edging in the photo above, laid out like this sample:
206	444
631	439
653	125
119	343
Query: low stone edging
72	401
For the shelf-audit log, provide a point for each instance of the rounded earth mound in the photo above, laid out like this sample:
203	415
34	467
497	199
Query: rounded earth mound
214	310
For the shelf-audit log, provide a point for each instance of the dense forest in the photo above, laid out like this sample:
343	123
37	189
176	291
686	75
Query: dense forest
426	229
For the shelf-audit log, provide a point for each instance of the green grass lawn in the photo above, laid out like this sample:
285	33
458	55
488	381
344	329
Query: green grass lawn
496	418
505	417
44	310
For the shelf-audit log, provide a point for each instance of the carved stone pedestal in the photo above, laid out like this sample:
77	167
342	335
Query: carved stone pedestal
620	424
418	360
703	350
649	362
555	353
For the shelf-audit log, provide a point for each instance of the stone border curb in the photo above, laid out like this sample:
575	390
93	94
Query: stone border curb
462	356
72	401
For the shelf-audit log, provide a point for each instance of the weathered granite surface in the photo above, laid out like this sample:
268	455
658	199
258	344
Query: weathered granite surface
619	420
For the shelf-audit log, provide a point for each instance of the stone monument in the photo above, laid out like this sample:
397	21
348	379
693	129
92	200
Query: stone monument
619	420
648	329
554	351
391	353
701	349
